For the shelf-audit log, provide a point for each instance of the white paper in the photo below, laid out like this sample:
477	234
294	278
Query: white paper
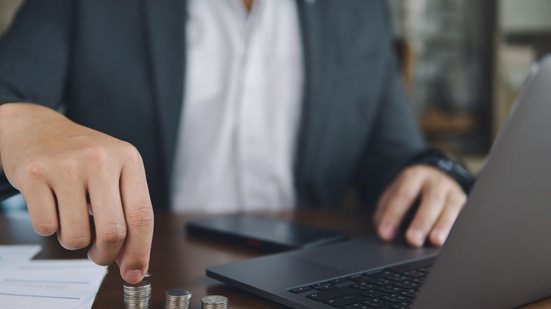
17	253
46	284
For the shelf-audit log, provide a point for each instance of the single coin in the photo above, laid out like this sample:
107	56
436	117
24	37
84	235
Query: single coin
178	293
178	299
214	302
215	299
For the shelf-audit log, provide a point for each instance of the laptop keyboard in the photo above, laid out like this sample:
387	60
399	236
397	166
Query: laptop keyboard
392	288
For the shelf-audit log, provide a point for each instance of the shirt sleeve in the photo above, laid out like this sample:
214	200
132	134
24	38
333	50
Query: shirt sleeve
34	58
34	53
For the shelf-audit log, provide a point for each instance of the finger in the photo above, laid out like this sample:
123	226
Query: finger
398	205
433	200
106	206
42	207
139	222
74	231
446	220
382	204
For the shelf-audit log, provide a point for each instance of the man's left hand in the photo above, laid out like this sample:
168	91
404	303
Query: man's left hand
441	200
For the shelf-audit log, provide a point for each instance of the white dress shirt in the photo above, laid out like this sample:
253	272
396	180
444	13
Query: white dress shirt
243	94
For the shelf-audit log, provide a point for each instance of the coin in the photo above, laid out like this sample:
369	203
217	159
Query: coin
214	302
138	296
178	299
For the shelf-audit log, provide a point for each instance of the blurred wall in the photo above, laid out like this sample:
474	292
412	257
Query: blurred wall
525	16
451	85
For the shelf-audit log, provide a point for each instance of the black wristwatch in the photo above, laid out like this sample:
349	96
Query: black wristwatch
438	159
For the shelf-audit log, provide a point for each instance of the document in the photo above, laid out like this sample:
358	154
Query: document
10	255
17	253
46	284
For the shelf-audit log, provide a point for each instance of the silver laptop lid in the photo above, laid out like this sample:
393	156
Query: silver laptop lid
498	254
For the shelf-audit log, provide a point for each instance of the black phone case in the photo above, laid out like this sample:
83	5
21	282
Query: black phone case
262	233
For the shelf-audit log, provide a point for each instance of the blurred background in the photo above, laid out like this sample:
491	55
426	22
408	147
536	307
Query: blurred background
463	63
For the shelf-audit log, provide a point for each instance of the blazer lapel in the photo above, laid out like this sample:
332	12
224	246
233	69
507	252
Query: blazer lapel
315	107
165	25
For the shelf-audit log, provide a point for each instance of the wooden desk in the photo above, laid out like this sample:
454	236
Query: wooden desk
179	261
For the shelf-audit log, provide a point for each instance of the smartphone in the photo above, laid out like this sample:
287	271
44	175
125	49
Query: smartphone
263	233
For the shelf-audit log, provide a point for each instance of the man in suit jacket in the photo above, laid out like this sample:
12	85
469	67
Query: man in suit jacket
119	71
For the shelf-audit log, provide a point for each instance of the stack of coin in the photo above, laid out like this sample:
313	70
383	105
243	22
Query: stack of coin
214	302
178	299
138	296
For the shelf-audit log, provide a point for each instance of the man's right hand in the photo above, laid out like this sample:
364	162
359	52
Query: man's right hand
67	172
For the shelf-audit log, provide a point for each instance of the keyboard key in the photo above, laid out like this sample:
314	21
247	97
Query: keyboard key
364	286
399	278
300	289
390	289
379	281
391	276
321	285
393	288
342	301
358	306
395	298
382	274
414	274
371	293
376	302
331	293
411	293
408	285
399	306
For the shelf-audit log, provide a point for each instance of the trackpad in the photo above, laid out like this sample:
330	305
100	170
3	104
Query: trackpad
365	253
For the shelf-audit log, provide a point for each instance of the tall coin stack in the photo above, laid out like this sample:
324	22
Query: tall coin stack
138	296
178	299
214	302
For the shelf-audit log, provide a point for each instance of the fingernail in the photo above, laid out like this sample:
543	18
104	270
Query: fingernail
387	231
416	237
133	276
440	237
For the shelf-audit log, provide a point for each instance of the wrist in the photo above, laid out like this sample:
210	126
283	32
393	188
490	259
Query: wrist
4	116
14	116
437	159
8	111
5	111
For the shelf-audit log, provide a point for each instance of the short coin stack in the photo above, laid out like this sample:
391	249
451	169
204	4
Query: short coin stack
214	302
178	299
138	296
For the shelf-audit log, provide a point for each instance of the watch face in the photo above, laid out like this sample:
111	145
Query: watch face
445	165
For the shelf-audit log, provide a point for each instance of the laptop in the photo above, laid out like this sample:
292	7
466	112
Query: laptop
498	254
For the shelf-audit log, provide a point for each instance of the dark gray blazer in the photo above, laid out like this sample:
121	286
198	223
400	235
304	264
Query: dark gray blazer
118	67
